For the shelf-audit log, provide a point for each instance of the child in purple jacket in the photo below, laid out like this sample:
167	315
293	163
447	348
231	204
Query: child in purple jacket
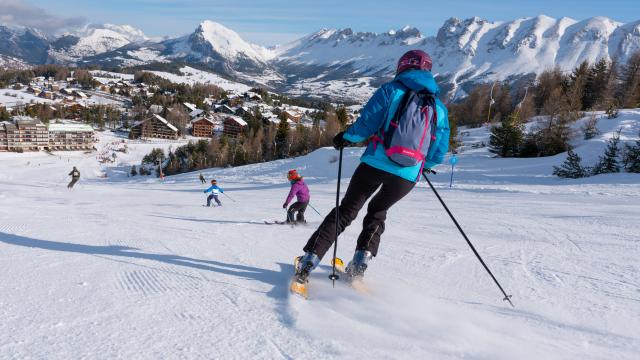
300	190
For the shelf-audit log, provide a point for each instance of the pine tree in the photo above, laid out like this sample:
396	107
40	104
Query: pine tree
608	163
631	159
571	168
134	172
281	137
506	138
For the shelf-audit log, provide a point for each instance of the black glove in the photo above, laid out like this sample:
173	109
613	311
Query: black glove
339	142
284	206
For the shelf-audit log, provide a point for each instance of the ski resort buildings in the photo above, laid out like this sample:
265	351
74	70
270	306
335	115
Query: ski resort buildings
154	127
70	136
203	127
29	134
233	126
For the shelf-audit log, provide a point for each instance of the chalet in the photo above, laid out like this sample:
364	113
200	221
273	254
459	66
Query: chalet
66	91
75	107
225	109
234	126
34	90
292	115
250	95
202	127
70	136
153	127
47	95
80	94
54	87
189	107
242	111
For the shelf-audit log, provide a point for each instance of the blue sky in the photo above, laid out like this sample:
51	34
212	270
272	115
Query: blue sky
278	21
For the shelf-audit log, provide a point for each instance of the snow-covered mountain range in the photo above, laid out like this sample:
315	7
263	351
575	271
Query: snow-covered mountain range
464	51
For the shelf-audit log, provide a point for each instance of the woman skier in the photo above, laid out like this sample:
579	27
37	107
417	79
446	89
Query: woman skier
215	191
300	190
380	167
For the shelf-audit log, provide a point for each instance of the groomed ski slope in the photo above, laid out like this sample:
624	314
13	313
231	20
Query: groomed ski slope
137	268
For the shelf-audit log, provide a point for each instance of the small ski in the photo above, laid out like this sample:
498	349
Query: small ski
275	222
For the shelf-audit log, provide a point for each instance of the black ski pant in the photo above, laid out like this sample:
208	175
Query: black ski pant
73	182
299	208
214	197
365	181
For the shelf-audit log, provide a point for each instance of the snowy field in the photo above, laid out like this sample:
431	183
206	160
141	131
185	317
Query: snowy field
192	76
137	268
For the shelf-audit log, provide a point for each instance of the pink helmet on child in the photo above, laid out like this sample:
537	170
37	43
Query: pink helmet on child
414	59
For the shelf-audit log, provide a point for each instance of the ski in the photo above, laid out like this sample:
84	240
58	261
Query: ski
299	285
275	222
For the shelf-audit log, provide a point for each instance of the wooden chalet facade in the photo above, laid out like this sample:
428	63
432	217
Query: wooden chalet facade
154	127
292	115
202	127
234	126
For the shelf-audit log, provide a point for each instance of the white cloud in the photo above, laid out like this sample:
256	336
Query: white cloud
16	12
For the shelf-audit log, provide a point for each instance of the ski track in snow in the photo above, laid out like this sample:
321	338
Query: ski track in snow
137	268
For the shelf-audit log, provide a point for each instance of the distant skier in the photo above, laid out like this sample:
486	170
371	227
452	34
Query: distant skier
301	191
75	176
202	179
215	191
411	98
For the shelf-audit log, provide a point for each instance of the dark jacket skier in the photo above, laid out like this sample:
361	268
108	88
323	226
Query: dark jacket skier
202	179
377	171
75	176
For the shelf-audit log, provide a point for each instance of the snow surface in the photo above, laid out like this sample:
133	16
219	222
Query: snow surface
192	76
137	268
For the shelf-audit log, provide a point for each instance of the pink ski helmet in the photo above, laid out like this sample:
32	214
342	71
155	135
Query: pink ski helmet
414	59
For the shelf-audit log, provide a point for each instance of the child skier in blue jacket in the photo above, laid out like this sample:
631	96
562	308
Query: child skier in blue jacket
377	172
215	191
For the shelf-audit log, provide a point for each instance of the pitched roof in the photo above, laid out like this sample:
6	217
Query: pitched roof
238	120
159	118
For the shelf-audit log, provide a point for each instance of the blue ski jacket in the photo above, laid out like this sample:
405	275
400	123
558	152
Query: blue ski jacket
378	113
214	189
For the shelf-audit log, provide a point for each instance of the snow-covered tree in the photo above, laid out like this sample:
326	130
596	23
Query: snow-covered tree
571	168
608	163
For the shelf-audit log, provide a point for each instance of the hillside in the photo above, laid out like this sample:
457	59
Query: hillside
137	268
338	63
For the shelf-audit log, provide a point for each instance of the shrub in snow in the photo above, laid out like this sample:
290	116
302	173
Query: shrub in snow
591	128
571	168
608	163
134	172
613	111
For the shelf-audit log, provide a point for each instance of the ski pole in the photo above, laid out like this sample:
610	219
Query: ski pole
333	275
314	209
506	297
228	197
